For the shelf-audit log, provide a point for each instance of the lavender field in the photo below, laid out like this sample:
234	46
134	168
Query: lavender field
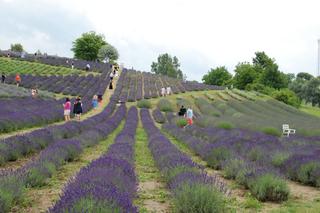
132	156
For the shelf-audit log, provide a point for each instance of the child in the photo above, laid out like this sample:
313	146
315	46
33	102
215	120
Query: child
95	102
18	79
67	109
77	108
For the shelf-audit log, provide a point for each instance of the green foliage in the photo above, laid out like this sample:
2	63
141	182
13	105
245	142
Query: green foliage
88	204
307	174
245	74
268	187
305	76
218	76
260	88
217	156
181	122
279	158
252	203
198	198
11	192
37	177
108	52
287	96
225	125
255	154
165	105
272	131
16	47
311	92
144	104
232	168
13	66
88	45
166	65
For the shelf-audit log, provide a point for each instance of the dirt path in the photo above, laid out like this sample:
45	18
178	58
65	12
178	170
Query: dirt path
106	97
40	199
152	193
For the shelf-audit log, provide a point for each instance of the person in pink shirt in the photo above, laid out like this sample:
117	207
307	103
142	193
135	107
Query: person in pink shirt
67	109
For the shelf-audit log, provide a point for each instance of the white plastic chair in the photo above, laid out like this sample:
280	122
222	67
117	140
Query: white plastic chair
287	131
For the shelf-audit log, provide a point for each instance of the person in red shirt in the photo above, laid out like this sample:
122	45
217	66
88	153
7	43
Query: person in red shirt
18	79
67	109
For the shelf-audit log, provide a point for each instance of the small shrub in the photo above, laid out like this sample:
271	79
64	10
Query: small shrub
287	96
217	156
165	105
144	104
278	158
225	125
306	171
255	154
37	177
198	198
11	192
268	187
252	203
90	205
181	122
232	168
272	131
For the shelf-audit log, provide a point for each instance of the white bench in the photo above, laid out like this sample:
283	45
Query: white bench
287	131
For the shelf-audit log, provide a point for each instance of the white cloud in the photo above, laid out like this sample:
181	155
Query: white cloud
203	33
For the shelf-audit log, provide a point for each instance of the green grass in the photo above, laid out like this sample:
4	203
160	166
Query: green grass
148	174
12	66
310	110
41	198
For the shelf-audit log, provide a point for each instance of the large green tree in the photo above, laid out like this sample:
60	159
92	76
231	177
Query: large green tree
218	76
88	45
305	76
16	47
108	52
312	92
167	65
245	74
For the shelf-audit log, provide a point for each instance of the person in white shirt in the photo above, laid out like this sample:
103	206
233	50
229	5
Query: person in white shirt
163	91
169	91
189	116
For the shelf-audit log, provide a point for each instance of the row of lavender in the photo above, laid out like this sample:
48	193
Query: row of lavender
193	190
66	144
108	183
12	148
28	112
297	157
85	86
146	85
58	61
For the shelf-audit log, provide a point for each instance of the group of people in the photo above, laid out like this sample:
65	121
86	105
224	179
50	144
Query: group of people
77	108
187	113
17	79
166	91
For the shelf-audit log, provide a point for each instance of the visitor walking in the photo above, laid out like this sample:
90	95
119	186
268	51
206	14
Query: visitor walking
3	78
18	79
67	109
77	108
95	102
110	85
111	76
189	115
182	111
169	92
163	91
72	65
100	99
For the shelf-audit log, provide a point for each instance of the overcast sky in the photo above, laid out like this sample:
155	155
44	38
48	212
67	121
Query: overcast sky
203	34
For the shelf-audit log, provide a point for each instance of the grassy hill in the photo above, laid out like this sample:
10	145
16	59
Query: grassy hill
13	66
